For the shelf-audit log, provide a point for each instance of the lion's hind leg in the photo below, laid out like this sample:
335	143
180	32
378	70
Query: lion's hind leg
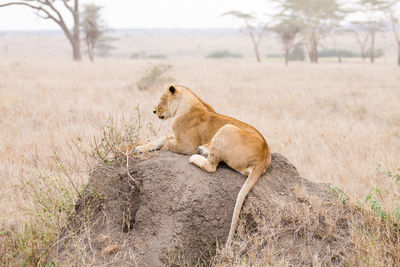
209	164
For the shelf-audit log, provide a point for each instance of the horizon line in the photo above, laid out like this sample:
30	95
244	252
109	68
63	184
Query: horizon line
130	28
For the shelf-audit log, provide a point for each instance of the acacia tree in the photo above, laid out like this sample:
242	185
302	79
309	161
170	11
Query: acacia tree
93	27
361	34
392	8
255	33
287	31
373	28
315	18
335	32
373	11
55	11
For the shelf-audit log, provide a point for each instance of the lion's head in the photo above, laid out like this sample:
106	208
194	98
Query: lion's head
169	103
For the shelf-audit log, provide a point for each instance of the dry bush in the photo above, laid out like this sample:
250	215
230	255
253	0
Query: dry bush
114	148
154	76
110	154
56	198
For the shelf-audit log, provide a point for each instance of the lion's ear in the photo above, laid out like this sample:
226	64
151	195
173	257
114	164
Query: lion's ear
172	89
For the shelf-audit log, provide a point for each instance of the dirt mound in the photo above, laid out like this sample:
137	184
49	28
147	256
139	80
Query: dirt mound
180	212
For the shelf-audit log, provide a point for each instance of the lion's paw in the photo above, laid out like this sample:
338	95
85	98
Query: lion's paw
144	149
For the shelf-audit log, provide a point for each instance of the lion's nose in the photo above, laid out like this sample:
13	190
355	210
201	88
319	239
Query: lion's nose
154	111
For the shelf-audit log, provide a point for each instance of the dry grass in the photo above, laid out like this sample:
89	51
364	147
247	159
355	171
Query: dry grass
334	122
311	233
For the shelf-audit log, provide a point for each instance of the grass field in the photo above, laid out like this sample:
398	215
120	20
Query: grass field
335	122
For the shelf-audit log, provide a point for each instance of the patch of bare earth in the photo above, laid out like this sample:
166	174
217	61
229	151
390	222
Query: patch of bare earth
166	212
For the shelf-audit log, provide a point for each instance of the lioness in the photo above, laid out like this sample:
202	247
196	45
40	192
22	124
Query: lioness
198	128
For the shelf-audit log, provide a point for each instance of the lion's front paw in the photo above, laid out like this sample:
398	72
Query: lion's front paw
144	149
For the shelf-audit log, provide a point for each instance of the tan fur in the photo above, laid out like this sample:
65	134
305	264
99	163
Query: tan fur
197	127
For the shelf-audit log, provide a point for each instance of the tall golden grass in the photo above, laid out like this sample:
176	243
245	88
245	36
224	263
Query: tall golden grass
335	122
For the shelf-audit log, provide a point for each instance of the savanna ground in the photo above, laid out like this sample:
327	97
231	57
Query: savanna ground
337	123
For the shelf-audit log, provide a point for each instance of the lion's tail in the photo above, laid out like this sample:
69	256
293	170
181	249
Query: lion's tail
247	186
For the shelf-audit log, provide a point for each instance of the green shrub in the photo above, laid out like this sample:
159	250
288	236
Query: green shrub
332	53
378	52
342	197
138	55
224	54
274	55
157	56
142	55
378	196
372	200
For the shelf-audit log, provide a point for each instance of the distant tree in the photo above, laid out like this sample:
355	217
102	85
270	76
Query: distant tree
373	11
373	28
392	8
287	31
255	32
361	34
54	10
93	27
333	36
315	18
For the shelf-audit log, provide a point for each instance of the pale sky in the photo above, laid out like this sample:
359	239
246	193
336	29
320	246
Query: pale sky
145	14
